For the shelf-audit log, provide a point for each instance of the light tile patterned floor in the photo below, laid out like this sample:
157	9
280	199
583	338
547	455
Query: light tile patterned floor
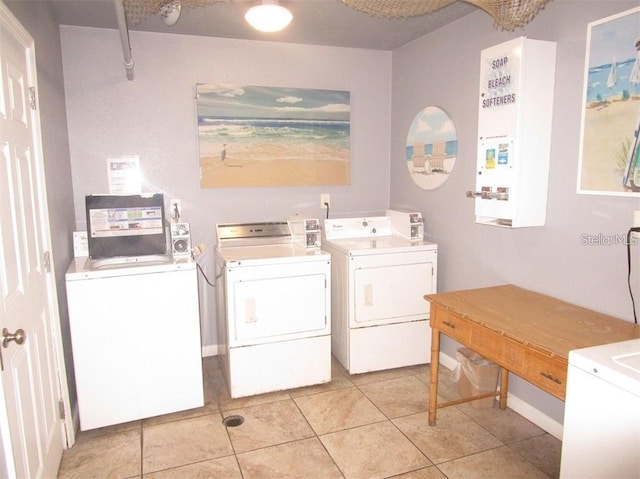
355	427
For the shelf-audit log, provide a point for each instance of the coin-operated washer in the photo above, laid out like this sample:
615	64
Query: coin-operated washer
379	279
273	307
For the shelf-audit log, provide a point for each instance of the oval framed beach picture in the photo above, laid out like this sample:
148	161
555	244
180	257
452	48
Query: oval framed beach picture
432	146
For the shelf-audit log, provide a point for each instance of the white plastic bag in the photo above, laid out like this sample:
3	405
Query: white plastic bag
479	371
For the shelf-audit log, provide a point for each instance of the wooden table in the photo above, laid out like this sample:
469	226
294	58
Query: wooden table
527	333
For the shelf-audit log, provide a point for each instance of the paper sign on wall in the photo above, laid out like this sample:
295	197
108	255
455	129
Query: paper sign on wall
124	175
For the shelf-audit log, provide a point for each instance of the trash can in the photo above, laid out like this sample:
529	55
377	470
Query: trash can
475	375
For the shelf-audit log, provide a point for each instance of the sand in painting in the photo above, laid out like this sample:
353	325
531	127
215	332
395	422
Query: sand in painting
276	164
607	127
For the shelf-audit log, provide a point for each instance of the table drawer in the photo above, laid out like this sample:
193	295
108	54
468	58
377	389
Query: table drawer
547	372
451	325
498	348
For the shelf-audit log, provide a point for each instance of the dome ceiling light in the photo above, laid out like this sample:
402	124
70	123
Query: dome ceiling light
268	16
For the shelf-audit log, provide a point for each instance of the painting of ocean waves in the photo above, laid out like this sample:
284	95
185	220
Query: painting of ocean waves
333	134
268	136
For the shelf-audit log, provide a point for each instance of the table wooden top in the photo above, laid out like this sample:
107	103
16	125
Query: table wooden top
536	320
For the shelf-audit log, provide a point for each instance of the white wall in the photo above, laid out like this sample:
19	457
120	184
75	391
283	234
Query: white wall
442	69
154	117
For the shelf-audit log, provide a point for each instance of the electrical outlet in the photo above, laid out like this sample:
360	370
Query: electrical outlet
325	200
175	210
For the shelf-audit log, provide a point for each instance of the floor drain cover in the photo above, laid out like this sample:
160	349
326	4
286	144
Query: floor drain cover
233	421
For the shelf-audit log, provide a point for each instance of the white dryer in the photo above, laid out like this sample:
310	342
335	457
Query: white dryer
273	308
379	279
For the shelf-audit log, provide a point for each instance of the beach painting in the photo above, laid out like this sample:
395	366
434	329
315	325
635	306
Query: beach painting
609	161
431	148
271	136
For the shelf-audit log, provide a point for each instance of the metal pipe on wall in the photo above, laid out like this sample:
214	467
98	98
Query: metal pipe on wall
124	37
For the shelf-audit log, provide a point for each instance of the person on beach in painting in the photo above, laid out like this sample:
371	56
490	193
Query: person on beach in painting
635	72
223	153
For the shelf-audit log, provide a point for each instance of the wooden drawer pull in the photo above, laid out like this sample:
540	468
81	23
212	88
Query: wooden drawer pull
451	325
552	378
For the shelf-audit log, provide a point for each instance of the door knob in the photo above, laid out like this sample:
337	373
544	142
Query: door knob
7	337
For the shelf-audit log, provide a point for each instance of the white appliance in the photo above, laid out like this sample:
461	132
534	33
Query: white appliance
380	319
135	333
273	308
515	113
601	437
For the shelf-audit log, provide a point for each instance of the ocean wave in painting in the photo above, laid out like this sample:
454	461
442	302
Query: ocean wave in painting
214	133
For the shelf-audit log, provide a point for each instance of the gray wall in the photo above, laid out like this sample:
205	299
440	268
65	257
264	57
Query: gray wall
37	18
154	117
442	69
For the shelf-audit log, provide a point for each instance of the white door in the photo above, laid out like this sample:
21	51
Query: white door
32	432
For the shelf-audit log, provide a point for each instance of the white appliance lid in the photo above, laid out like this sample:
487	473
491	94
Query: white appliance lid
270	254
616	363
379	245
86	268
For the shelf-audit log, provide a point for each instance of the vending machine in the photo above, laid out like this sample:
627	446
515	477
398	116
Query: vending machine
514	133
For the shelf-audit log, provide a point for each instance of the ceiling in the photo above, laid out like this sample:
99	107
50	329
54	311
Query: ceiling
315	22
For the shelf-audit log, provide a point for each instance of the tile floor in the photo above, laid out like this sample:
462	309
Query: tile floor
365	426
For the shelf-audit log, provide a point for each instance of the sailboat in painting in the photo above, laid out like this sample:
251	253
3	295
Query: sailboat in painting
635	72
613	77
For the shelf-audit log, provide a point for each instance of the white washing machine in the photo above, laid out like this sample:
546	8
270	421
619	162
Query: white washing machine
601	437
273	307
135	334
380	319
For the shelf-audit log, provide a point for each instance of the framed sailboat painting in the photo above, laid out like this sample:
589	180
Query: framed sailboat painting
609	161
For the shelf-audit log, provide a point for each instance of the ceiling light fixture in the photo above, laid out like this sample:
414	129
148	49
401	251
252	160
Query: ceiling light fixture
170	12
268	16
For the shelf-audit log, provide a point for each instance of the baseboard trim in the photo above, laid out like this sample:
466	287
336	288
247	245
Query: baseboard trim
209	350
72	436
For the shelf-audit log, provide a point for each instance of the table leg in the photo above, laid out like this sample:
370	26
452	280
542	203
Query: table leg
504	387
433	387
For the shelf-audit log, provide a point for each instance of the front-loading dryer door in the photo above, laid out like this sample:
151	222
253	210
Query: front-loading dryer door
388	289
267	308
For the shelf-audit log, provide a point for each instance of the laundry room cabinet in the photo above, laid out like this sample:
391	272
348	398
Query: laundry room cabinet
135	334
